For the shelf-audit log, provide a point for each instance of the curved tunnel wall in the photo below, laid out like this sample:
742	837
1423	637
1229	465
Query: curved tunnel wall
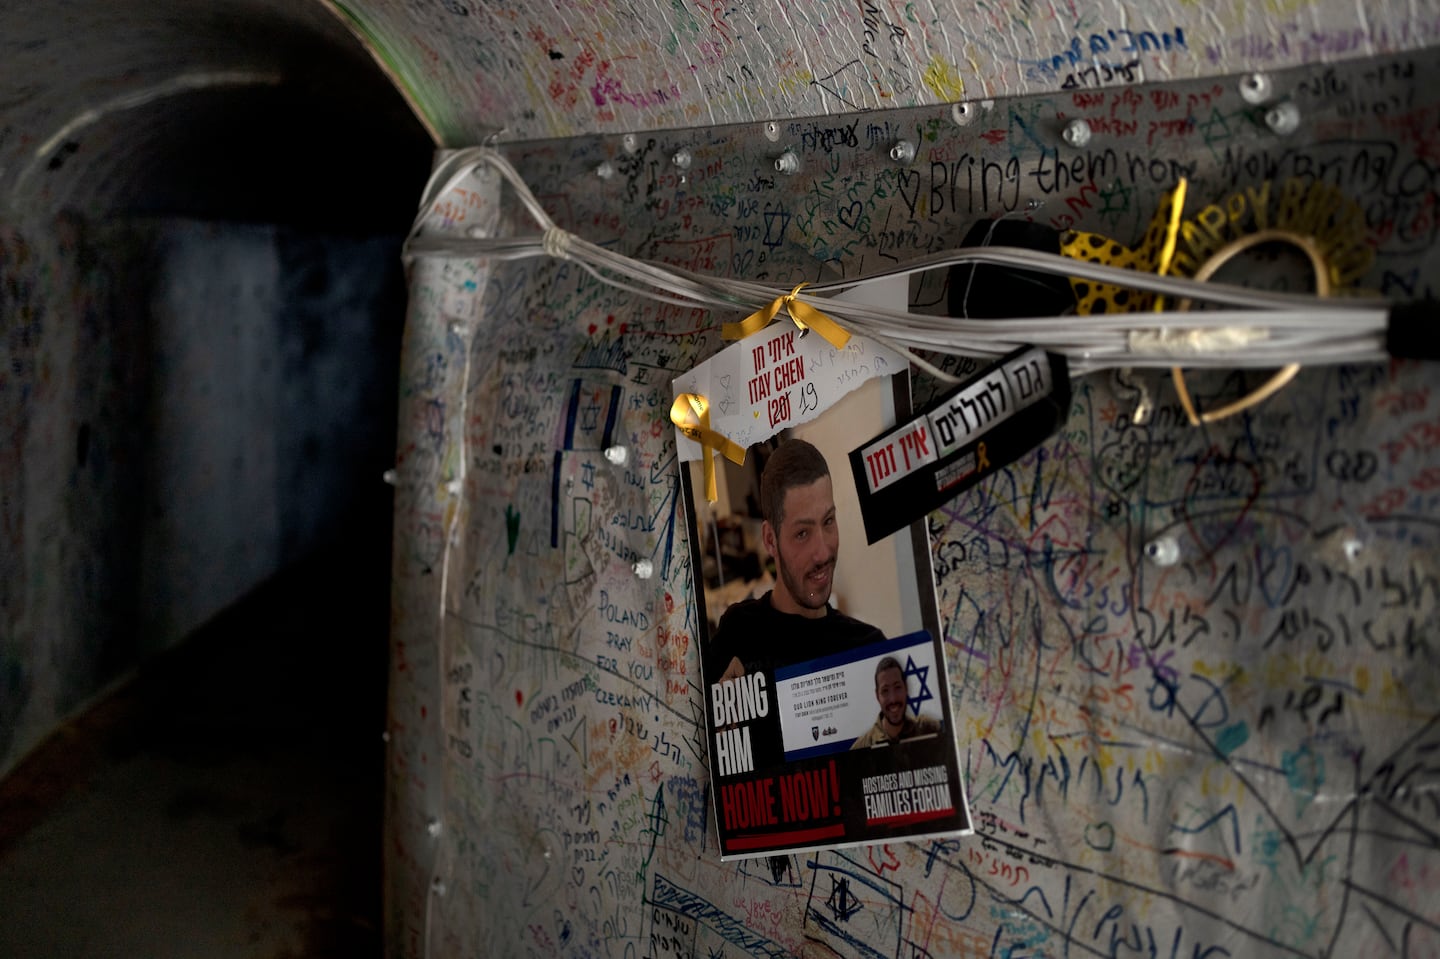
1228	757
1220	757
201	210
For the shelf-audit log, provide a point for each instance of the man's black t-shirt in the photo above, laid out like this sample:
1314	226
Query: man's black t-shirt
764	638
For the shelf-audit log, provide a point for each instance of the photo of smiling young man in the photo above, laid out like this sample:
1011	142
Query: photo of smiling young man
797	610
894	725
794	621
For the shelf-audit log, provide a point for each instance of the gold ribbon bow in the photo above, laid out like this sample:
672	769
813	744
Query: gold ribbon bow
805	316
691	416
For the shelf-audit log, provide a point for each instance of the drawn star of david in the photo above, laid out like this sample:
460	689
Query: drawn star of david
1116	199
921	673
842	903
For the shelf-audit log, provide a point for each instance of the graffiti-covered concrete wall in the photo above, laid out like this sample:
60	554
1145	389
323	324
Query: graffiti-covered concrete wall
1193	667
526	71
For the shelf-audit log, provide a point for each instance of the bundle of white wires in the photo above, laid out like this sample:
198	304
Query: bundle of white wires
1259	329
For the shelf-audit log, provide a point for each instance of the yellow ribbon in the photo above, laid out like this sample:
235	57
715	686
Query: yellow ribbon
1176	203
691	416
1156	252
982	460
805	316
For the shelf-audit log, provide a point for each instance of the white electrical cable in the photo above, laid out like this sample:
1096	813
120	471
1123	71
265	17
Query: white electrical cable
1272	328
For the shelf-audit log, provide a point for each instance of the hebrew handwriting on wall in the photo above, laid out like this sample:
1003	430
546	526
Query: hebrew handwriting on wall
1193	669
612	67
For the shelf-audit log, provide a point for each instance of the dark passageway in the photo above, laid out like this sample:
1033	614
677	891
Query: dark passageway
228	802
202	206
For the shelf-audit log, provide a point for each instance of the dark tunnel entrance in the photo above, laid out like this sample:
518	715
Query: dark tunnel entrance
201	302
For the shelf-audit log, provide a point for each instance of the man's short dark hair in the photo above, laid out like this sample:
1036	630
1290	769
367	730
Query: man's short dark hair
889	662
794	463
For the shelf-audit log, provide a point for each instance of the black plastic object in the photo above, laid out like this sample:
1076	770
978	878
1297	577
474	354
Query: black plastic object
1413	332
992	291
987	422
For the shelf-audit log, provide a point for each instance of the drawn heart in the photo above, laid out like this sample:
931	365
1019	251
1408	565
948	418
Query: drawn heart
1275	569
910	179
851	215
725	383
888	861
1100	836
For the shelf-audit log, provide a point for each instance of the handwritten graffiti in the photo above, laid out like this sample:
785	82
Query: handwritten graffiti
1193	668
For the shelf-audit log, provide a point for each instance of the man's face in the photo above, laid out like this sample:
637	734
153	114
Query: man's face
805	547
891	692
